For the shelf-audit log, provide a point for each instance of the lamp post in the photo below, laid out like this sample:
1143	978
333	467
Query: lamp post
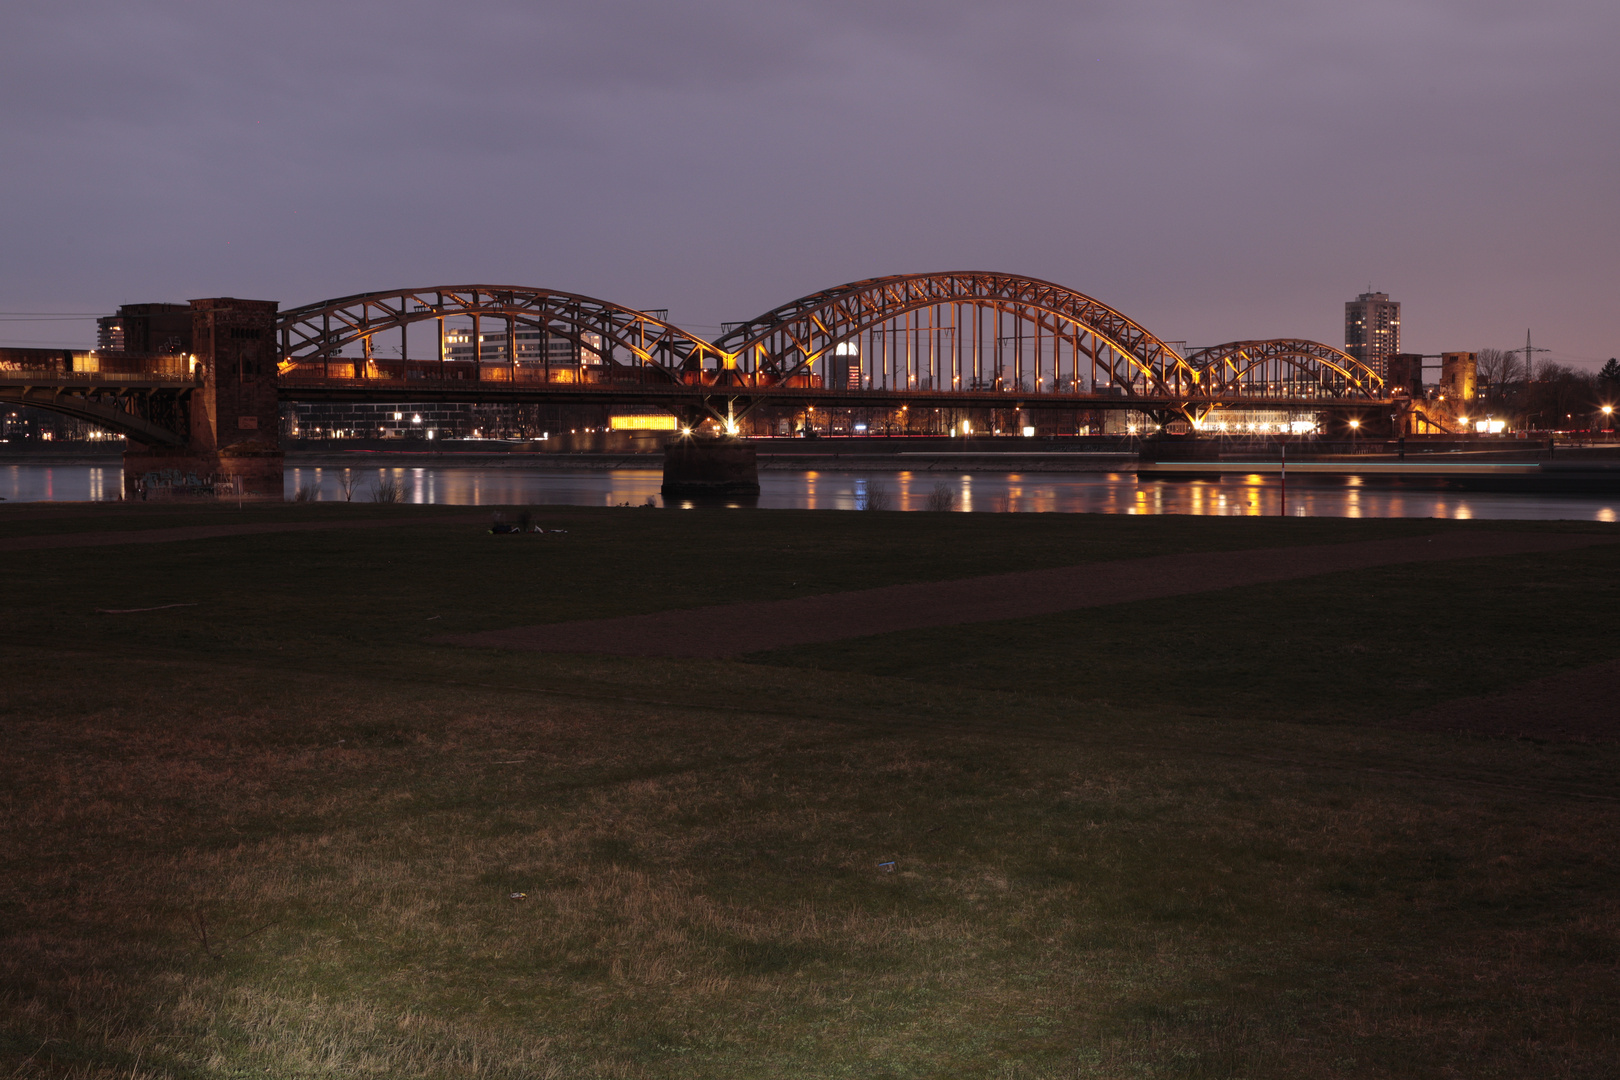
1608	420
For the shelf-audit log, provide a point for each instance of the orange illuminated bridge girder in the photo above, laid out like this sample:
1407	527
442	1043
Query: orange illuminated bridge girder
1240	369
317	334
796	336
865	342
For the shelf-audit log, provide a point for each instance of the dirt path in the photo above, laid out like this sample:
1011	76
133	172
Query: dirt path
208	532
733	629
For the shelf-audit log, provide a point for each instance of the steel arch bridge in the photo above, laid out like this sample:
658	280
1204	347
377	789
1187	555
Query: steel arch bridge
961	340
316	335
1283	367
956	331
973	338
152	409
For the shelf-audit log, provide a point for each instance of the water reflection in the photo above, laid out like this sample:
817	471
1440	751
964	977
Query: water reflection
1099	493
1252	494
60	483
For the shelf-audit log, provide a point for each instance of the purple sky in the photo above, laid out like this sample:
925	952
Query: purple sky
1216	169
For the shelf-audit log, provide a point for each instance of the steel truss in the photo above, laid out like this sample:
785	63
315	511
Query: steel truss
316	335
148	409
969	340
974	339
1283	367
950	330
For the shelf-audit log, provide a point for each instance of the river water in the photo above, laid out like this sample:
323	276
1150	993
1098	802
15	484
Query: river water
1095	493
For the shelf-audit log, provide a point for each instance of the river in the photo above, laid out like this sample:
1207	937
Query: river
1042	492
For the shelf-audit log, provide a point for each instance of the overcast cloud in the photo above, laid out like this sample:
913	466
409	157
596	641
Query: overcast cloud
1217	170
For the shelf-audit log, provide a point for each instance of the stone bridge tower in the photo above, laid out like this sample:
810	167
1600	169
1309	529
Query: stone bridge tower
234	423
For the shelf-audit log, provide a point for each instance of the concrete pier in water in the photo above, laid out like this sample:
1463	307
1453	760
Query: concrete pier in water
697	467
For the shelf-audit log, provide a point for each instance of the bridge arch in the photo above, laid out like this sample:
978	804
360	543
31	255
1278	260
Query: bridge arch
1291	367
1078	343
144	411
317	334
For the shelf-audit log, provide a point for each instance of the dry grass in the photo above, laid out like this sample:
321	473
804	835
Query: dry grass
1078	889
1070	907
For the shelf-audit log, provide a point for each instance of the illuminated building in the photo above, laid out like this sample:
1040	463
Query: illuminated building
1459	372
1372	330
844	367
533	347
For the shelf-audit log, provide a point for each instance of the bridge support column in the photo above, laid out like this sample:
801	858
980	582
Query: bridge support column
235	416
695	467
1178	448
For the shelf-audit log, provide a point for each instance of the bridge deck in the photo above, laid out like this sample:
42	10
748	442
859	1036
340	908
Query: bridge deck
303	388
90	381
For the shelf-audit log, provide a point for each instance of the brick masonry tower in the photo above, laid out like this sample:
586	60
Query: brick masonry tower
234	422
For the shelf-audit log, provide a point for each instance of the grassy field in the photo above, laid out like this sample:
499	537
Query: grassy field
281	832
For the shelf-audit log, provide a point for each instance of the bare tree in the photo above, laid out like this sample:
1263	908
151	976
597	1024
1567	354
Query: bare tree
348	481
1499	367
388	490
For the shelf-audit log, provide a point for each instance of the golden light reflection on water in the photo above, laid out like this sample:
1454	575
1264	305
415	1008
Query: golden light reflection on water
1098	493
1252	494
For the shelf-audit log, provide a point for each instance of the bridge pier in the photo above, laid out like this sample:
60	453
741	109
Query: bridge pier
233	426
695	467
1178	448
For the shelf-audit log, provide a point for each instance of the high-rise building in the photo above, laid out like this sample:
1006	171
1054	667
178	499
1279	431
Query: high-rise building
533	347
110	333
843	367
1372	330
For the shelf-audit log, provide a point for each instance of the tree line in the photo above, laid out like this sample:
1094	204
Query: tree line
1546	395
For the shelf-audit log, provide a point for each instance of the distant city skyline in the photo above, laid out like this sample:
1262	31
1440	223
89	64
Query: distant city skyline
1191	166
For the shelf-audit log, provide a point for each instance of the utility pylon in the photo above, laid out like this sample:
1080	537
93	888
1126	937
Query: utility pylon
1529	357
